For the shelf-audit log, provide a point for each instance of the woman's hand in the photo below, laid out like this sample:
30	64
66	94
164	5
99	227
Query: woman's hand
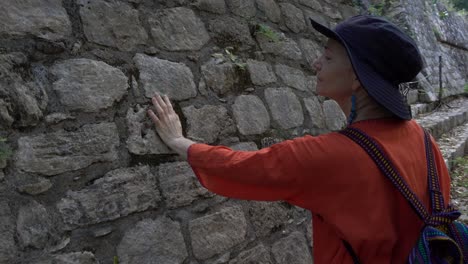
168	125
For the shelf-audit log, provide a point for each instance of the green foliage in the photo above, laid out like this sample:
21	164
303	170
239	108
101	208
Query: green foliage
377	9
116	260
466	88
460	172
5	151
443	14
267	32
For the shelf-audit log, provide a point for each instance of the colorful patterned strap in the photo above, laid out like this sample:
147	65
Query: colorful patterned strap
441	215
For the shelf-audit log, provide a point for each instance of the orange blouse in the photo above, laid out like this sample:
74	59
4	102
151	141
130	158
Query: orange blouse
338	182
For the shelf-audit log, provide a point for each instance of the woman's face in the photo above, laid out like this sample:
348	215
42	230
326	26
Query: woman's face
335	75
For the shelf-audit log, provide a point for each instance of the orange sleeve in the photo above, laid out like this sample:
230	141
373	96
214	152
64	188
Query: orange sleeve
273	173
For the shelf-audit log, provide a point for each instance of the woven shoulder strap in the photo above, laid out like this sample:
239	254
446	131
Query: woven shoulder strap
440	213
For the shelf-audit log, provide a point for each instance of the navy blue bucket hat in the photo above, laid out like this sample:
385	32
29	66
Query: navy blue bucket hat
382	56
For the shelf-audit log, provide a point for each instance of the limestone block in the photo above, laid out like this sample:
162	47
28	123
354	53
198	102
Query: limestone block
251	115
153	241
292	249
179	185
335	119
271	10
84	257
214	233
261	73
314	4
143	139
259	254
220	78
7	237
284	106
267	217
315	111
293	17
119	193
292	77
54	153
212	6
242	8
113	24
88	85
231	31
283	47
165	77
178	29
43	19
208	123
33	225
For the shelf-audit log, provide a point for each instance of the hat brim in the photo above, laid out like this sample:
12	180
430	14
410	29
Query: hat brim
383	91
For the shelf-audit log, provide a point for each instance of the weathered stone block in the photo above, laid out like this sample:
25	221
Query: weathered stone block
84	257
180	186
315	111
267	217
293	17
62	151
271	9
220	78
141	139
335	119
178	29
232	31
244	146
285	108
7	236
212	6
88	85
292	77
113	24
258	255
314	4
153	241
261	73
283	46
292	249
33	225
209	123
311	50
119	193
43	19
251	115
243	8
212	234
165	77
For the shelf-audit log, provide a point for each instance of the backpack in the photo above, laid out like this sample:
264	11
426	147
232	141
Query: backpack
443	239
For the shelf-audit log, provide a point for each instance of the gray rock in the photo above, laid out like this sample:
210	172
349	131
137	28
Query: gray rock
332	12
314	4
335	119
7	235
153	241
285	108
213	234
88	85
311	50
220	78
251	115
292	249
62	151
242	8
32	185
315	111
232	31
212	6
284	47
165	77
56	118
33	225
119	193
2	175
141	139
178	29
267	217
244	146
292	77
84	257
113	24
43	19
271	9
179	185
259	255
208	123
293	17
412	97
312	84
261	73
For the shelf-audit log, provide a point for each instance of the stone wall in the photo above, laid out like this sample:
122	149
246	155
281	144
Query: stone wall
89	181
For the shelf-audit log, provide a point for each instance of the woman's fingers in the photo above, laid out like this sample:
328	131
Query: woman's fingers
168	103
157	105
153	116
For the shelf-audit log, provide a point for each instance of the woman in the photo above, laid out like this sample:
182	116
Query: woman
364	61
